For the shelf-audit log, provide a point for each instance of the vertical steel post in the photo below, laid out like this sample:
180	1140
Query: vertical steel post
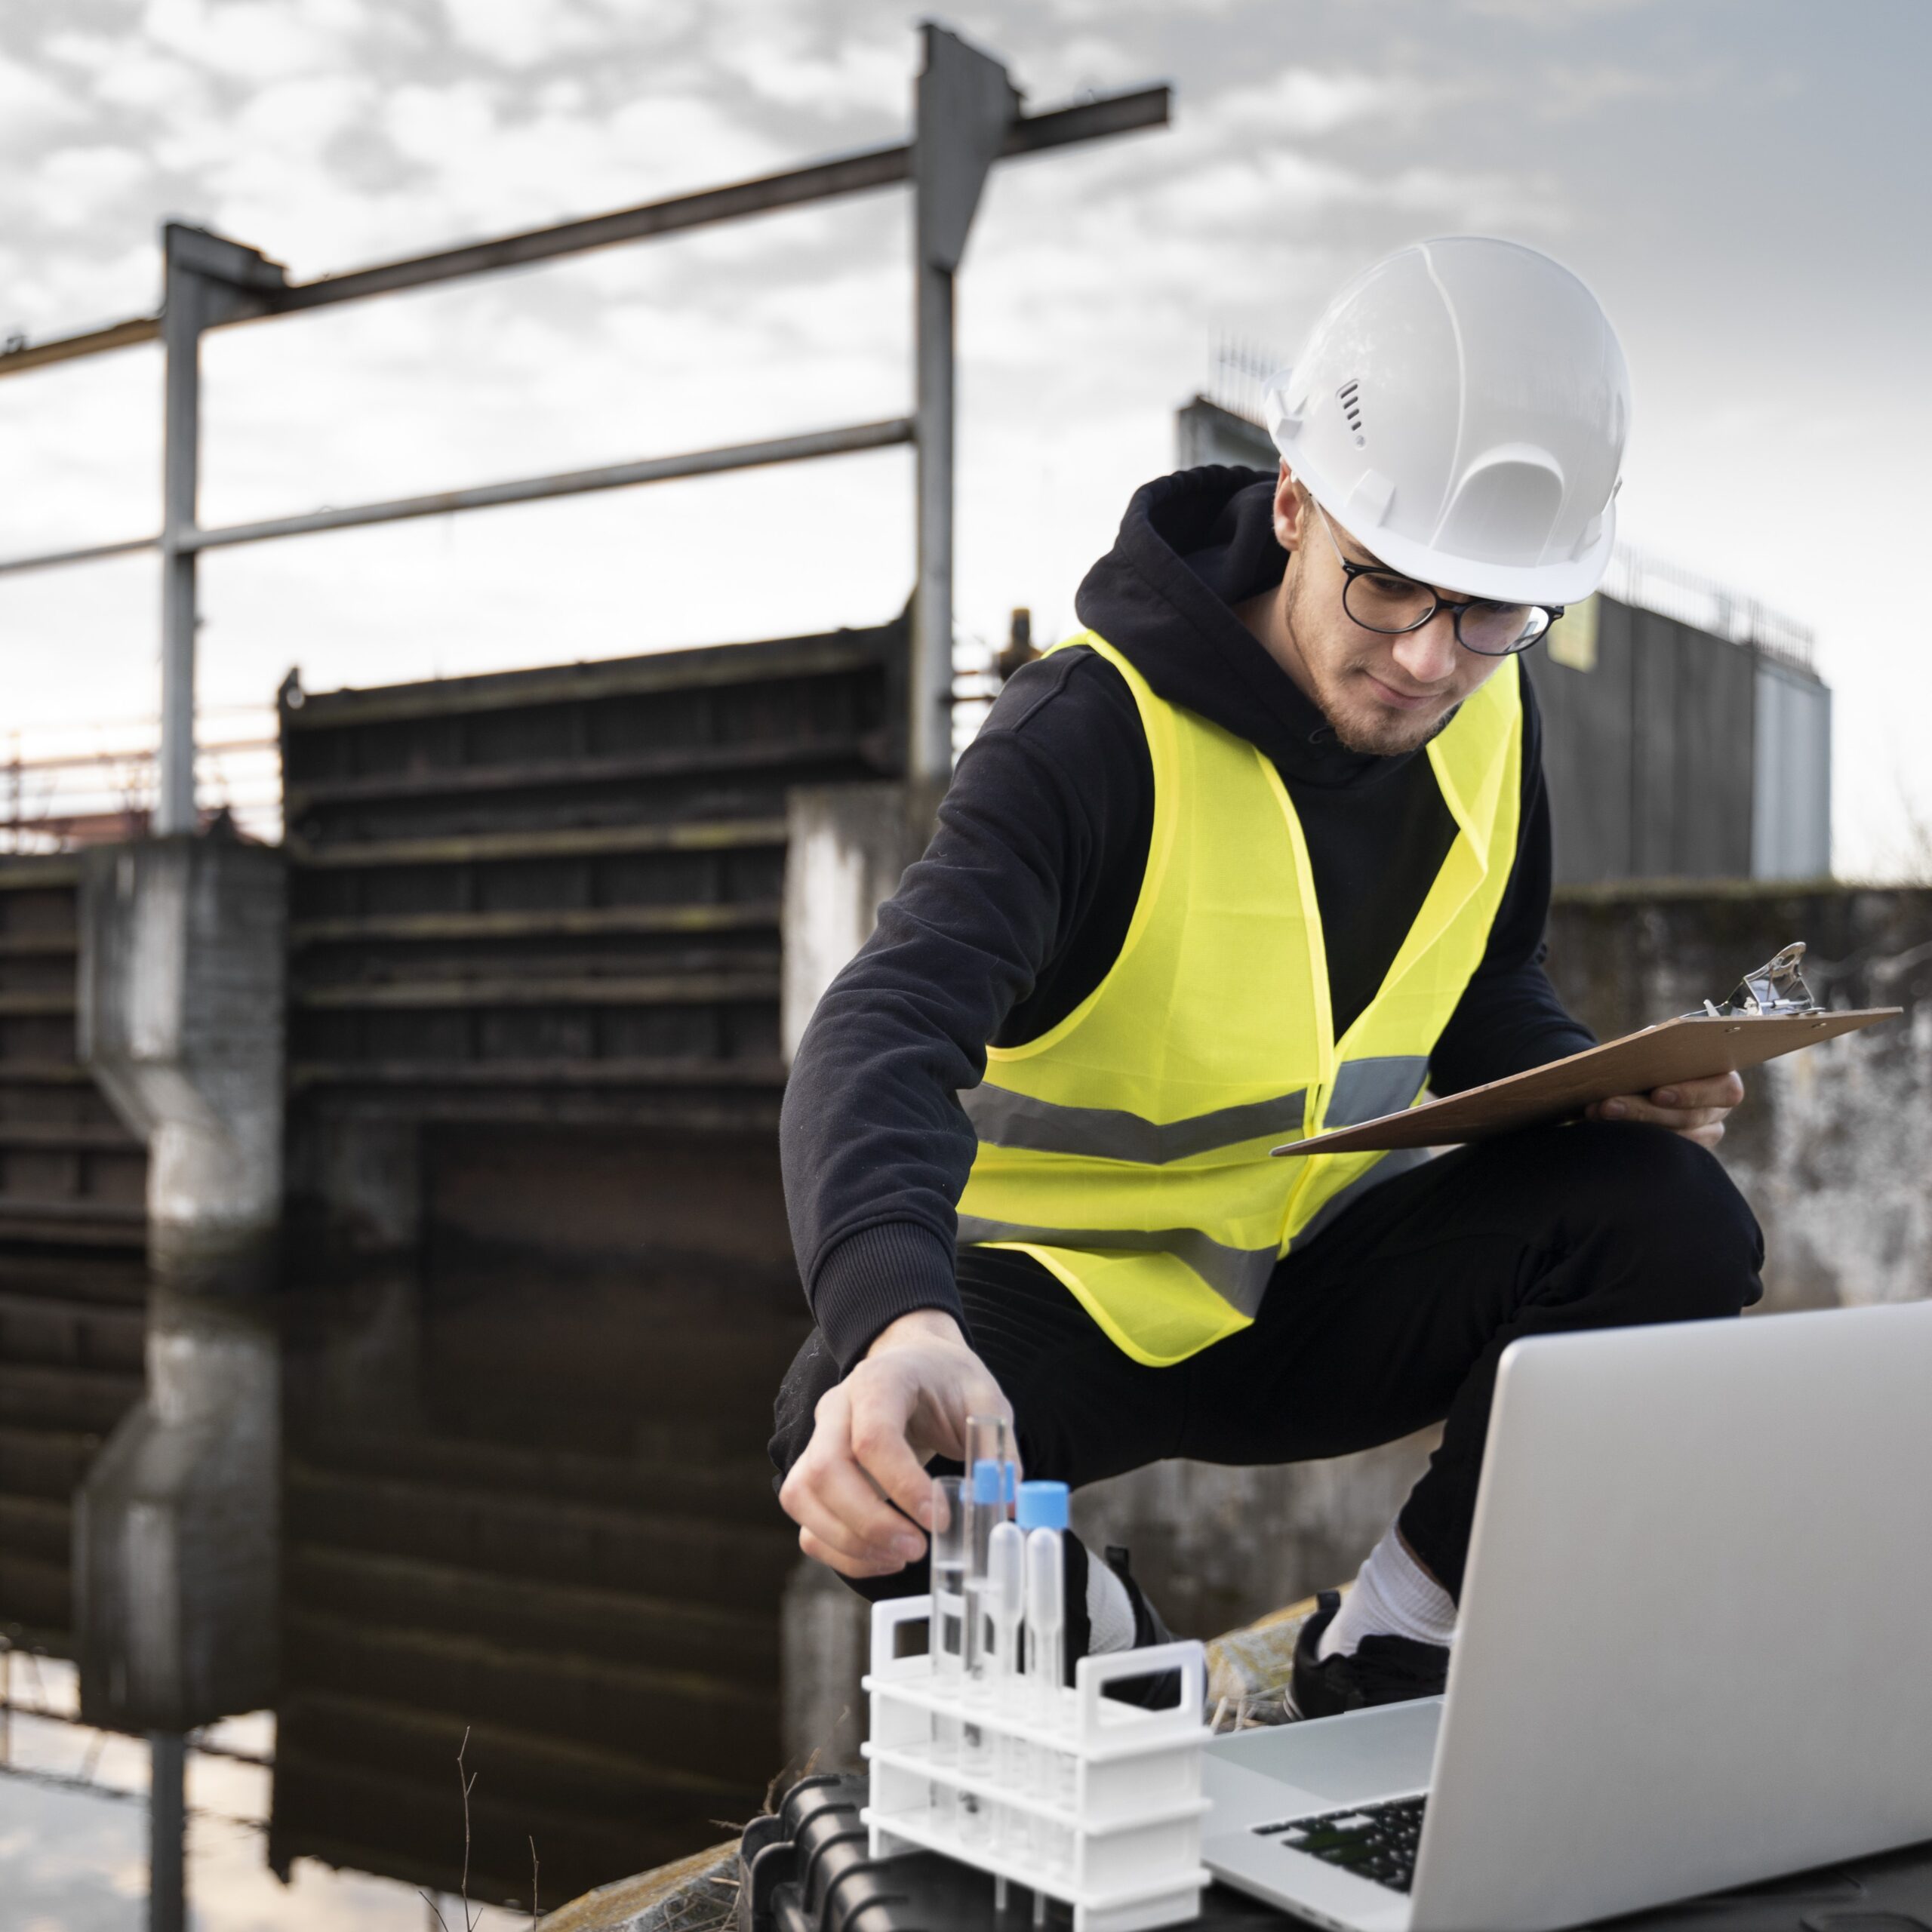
183	306
167	1829
963	107
206	279
929	741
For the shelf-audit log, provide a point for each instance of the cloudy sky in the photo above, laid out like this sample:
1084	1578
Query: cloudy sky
1743	182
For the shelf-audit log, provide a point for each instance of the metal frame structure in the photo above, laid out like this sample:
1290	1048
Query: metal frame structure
967	117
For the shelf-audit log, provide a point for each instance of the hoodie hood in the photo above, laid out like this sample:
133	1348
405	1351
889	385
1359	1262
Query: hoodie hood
1191	547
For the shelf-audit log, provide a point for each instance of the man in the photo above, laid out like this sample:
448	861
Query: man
1261	852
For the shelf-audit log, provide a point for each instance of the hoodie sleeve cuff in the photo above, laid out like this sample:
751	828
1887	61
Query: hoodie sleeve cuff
873	1276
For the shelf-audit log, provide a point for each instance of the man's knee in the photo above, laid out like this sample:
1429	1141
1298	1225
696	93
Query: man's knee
1668	1205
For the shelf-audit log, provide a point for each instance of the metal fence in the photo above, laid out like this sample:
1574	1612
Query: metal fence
967	118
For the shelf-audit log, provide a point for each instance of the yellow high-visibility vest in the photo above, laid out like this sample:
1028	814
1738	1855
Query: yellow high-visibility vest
1127	1149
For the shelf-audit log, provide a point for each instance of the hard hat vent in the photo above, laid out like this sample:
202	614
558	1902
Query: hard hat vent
1350	395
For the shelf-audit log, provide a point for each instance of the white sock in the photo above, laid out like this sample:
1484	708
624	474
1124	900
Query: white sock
1109	1609
1393	1596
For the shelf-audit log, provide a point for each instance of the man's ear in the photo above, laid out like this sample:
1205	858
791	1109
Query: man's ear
1288	502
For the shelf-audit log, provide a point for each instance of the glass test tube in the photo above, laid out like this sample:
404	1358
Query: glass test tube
990	1487
947	1640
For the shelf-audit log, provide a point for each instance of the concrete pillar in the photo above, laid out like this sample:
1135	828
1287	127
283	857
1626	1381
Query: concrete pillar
180	1009
182	972
846	846
177	1527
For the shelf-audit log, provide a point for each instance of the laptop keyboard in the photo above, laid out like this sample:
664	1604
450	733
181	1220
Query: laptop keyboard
1374	1841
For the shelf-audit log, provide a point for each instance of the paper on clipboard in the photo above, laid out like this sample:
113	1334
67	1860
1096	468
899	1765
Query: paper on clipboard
1694	1048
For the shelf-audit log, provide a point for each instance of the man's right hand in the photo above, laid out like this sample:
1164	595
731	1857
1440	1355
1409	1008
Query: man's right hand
908	1400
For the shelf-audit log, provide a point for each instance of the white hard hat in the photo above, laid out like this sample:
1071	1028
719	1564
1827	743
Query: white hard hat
1461	408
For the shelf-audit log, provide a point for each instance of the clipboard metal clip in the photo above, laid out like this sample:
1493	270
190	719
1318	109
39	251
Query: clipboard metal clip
1775	987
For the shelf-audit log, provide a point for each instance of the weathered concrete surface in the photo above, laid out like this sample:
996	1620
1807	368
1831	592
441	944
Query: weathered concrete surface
1831	1146
177	1527
846	846
182	992
694	1894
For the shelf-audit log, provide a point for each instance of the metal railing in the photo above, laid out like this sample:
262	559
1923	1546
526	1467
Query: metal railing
1671	591
967	118
64	786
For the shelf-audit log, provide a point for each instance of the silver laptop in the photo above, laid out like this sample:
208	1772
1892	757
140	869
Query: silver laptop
1695	1647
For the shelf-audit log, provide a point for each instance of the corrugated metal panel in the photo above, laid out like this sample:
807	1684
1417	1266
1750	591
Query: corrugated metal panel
1791	811
1648	754
554	895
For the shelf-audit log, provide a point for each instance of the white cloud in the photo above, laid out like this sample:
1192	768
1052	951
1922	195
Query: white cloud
852	76
521	33
1299	102
32	105
73	184
255	41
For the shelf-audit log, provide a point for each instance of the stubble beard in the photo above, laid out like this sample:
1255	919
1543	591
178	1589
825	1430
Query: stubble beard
1373	731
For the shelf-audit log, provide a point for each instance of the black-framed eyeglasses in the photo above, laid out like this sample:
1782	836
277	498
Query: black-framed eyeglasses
1380	599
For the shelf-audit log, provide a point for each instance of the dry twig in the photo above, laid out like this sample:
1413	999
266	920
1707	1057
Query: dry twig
465	1778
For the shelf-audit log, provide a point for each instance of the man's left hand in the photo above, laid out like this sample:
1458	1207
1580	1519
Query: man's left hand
1695	1108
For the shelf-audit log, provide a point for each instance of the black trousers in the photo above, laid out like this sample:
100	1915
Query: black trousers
1393	1317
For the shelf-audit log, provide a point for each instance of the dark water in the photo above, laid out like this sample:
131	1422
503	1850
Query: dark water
493	1498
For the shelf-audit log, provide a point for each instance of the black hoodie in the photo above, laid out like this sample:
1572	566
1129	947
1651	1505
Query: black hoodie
1022	899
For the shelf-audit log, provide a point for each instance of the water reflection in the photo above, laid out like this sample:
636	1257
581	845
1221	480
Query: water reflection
527	1507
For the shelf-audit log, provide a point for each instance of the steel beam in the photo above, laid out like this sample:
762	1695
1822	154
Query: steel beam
208	279
92	553
569	483
875	168
188	539
180	468
965	108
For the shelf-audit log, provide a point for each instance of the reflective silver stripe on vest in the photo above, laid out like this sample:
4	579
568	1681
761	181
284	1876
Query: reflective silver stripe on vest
1367	1089
1237	1274
1007	1119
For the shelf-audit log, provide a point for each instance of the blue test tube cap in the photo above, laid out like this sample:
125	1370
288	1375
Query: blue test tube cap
986	1483
1043	1506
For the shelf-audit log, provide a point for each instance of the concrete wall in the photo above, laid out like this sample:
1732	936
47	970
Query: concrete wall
1830	1146
1829	1149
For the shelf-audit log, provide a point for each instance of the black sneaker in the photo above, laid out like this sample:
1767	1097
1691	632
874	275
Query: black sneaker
1152	1692
1381	1670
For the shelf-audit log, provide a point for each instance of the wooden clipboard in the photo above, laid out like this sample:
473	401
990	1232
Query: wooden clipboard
1692	1048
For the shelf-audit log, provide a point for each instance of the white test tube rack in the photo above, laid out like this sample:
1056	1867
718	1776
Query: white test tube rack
1072	1794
